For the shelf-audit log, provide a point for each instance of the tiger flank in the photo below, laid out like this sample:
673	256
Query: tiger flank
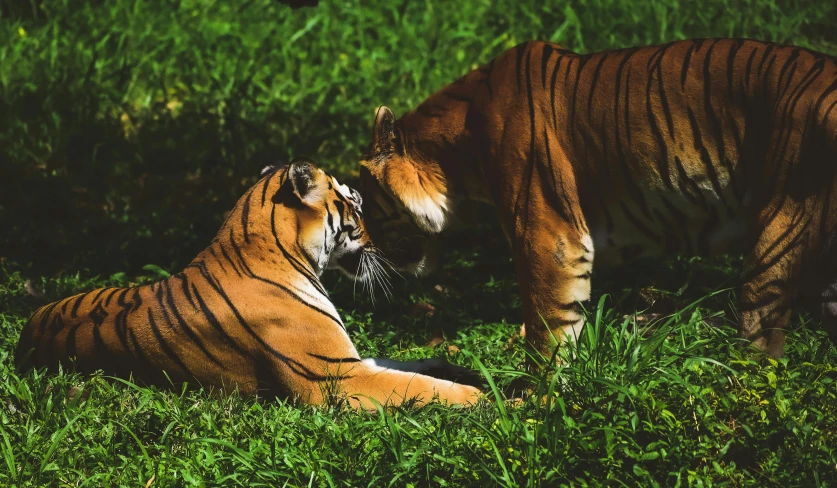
695	147
249	313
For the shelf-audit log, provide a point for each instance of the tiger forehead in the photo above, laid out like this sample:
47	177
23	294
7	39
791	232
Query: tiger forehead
347	193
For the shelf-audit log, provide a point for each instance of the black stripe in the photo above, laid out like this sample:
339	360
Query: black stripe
307	273
825	94
789	68
684	70
102	353
552	91
245	216
212	252
704	157
765	78
74	311
519	50
750	65
184	288
688	187
120	321
663	97
795	241
227	257
110	296
733	51
214	322
136	300
547	53
530	163
767	52
150	372
655	127
70	341
265	184
595	81
582	61
172	307
97	295
567	207
332	360
65	305
164	346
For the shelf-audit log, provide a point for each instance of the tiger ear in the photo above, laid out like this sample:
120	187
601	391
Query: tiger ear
383	134
303	177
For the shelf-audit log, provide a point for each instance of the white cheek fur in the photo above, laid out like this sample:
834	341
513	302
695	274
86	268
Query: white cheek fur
428	214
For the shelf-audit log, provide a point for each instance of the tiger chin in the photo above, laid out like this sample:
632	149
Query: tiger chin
249	313
698	147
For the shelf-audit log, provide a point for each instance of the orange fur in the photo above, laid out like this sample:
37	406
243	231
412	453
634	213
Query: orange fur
695	147
248	314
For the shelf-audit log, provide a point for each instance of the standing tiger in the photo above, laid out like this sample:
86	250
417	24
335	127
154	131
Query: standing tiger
249	313
695	147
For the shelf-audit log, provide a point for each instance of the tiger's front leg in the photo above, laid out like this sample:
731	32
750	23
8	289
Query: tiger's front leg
772	271
554	264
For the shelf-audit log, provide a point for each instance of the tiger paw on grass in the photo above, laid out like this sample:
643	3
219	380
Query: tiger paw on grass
249	313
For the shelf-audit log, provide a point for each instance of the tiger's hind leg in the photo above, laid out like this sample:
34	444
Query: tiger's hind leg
771	271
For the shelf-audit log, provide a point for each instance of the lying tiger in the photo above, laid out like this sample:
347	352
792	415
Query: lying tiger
249	313
695	147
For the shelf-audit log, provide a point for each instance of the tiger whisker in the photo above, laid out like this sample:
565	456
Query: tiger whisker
380	275
389	264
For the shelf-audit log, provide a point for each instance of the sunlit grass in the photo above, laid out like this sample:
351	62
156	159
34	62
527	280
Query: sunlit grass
129	128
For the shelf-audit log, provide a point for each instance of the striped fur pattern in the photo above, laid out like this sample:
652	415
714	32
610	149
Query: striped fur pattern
249	313
695	147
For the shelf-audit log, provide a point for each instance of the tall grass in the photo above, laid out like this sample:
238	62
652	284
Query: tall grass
129	127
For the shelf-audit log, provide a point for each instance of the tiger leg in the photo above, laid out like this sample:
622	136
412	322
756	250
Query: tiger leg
325	366
554	267
433	367
367	383
771	273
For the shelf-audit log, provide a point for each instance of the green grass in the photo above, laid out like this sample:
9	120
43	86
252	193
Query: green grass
128	128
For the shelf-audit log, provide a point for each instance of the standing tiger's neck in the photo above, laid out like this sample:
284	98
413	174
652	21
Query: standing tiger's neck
440	135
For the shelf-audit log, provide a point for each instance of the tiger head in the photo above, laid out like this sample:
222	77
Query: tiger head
406	198
324	215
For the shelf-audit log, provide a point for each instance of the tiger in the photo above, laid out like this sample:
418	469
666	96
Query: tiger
249	313
696	147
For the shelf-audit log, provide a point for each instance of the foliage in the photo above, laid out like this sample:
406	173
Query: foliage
130	126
